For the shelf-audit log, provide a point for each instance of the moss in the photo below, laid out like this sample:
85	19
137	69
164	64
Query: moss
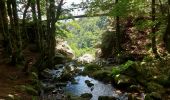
154	87
102	75
90	68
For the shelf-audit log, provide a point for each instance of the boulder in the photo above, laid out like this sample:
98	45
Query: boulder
89	84
63	48
59	58
102	75
123	81
86	95
85	59
98	53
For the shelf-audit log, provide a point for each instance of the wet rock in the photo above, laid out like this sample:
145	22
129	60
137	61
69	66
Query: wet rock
89	84
106	98
73	81
86	95
58	66
60	84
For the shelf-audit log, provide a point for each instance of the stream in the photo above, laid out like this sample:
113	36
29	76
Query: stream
80	87
99	88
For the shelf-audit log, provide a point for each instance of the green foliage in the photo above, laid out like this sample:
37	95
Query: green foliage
82	34
122	67
62	31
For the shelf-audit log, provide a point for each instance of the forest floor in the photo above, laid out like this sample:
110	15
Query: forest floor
11	78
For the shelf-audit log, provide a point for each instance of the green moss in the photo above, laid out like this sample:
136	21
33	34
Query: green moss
102	75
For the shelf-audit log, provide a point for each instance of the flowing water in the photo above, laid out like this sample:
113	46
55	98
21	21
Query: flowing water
99	88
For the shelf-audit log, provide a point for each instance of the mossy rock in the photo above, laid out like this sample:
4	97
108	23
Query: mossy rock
70	96
86	95
153	96
102	75
155	87
135	88
91	67
123	81
106	98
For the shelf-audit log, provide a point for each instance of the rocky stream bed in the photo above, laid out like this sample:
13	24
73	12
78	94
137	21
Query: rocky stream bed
71	82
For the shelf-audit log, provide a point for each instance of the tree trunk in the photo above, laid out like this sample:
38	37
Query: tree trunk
154	48
23	20
15	36
3	20
51	20
166	35
118	42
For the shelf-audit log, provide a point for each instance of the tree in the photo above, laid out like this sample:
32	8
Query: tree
52	18
15	36
166	36
154	48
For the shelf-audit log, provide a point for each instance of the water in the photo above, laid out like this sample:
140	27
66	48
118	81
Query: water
99	88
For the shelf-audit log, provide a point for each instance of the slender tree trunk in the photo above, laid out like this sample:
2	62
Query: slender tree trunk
118	42
166	36
23	20
154	48
36	21
3	20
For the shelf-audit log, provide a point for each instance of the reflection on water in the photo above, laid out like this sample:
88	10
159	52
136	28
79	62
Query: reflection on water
99	88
